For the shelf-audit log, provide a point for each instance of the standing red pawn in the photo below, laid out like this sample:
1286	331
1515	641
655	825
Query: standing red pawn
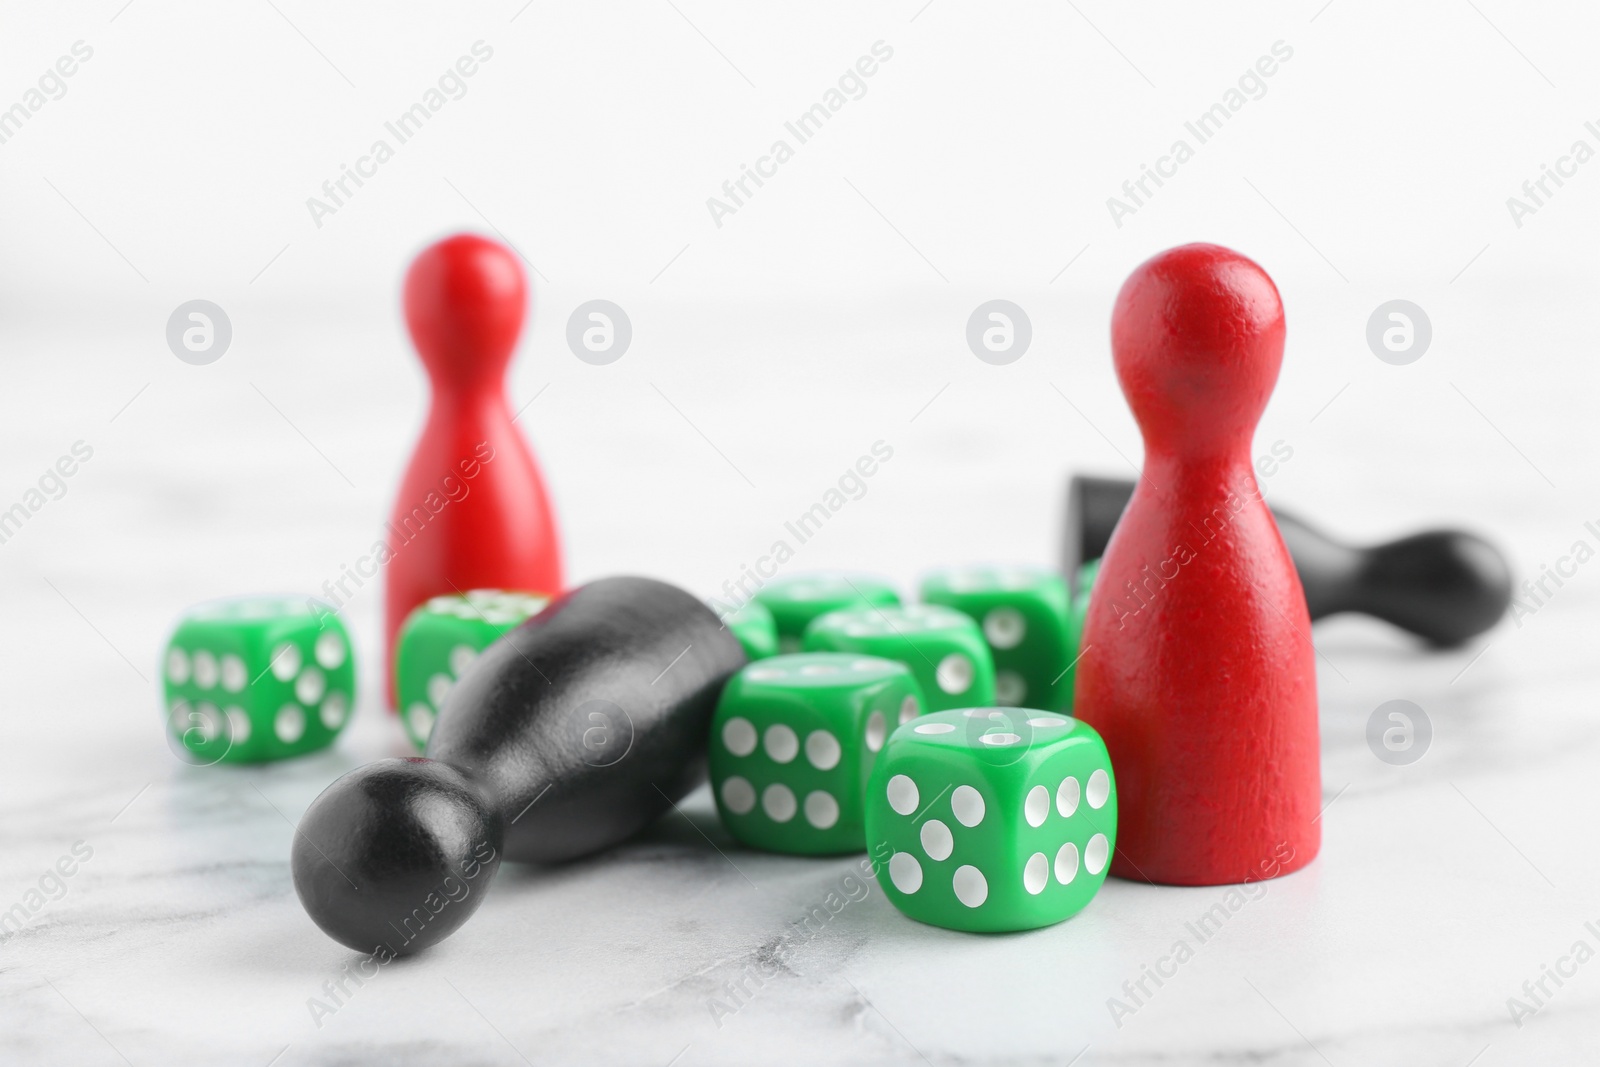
472	511
1198	668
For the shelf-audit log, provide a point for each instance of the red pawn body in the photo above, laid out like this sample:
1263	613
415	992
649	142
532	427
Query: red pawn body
472	511
1197	667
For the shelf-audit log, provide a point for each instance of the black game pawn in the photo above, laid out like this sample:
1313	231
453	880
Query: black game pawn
1445	586
572	732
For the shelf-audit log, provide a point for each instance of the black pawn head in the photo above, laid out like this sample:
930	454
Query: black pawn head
396	855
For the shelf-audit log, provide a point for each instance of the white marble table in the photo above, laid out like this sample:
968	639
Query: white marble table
1442	886
769	353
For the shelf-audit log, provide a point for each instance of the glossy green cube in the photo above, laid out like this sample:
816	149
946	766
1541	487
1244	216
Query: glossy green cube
943	647
1024	615
792	743
438	642
992	819
795	601
257	678
754	626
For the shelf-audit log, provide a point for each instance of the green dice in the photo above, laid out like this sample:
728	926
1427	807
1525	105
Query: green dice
795	601
257	678
944	648
792	743
1024	615
753	625
438	642
992	819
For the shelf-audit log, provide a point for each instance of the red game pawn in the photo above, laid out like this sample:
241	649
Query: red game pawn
472	511
1198	668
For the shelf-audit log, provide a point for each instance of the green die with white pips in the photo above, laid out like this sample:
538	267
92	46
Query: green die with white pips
993	819
440	639
795	601
944	648
793	740
257	678
755	628
1024	614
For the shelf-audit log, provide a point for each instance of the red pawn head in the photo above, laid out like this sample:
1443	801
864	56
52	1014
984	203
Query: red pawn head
465	298
1197	337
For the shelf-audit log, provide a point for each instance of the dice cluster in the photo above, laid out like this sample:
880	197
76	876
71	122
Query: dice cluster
887	735
933	735
255	678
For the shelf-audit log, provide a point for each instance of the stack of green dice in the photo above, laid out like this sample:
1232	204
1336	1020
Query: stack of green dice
987	808
438	642
257	678
894	732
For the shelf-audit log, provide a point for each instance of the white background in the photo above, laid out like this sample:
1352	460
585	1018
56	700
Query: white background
769	353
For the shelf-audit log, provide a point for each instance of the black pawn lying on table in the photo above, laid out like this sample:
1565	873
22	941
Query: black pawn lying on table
569	734
1445	586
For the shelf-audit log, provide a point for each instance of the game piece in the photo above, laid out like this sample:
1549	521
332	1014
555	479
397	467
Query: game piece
471	512
793	741
795	601
439	641
575	730
590	720
1445	586
1202	681
944	648
992	819
1023	614
257	678
395	856
755	628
